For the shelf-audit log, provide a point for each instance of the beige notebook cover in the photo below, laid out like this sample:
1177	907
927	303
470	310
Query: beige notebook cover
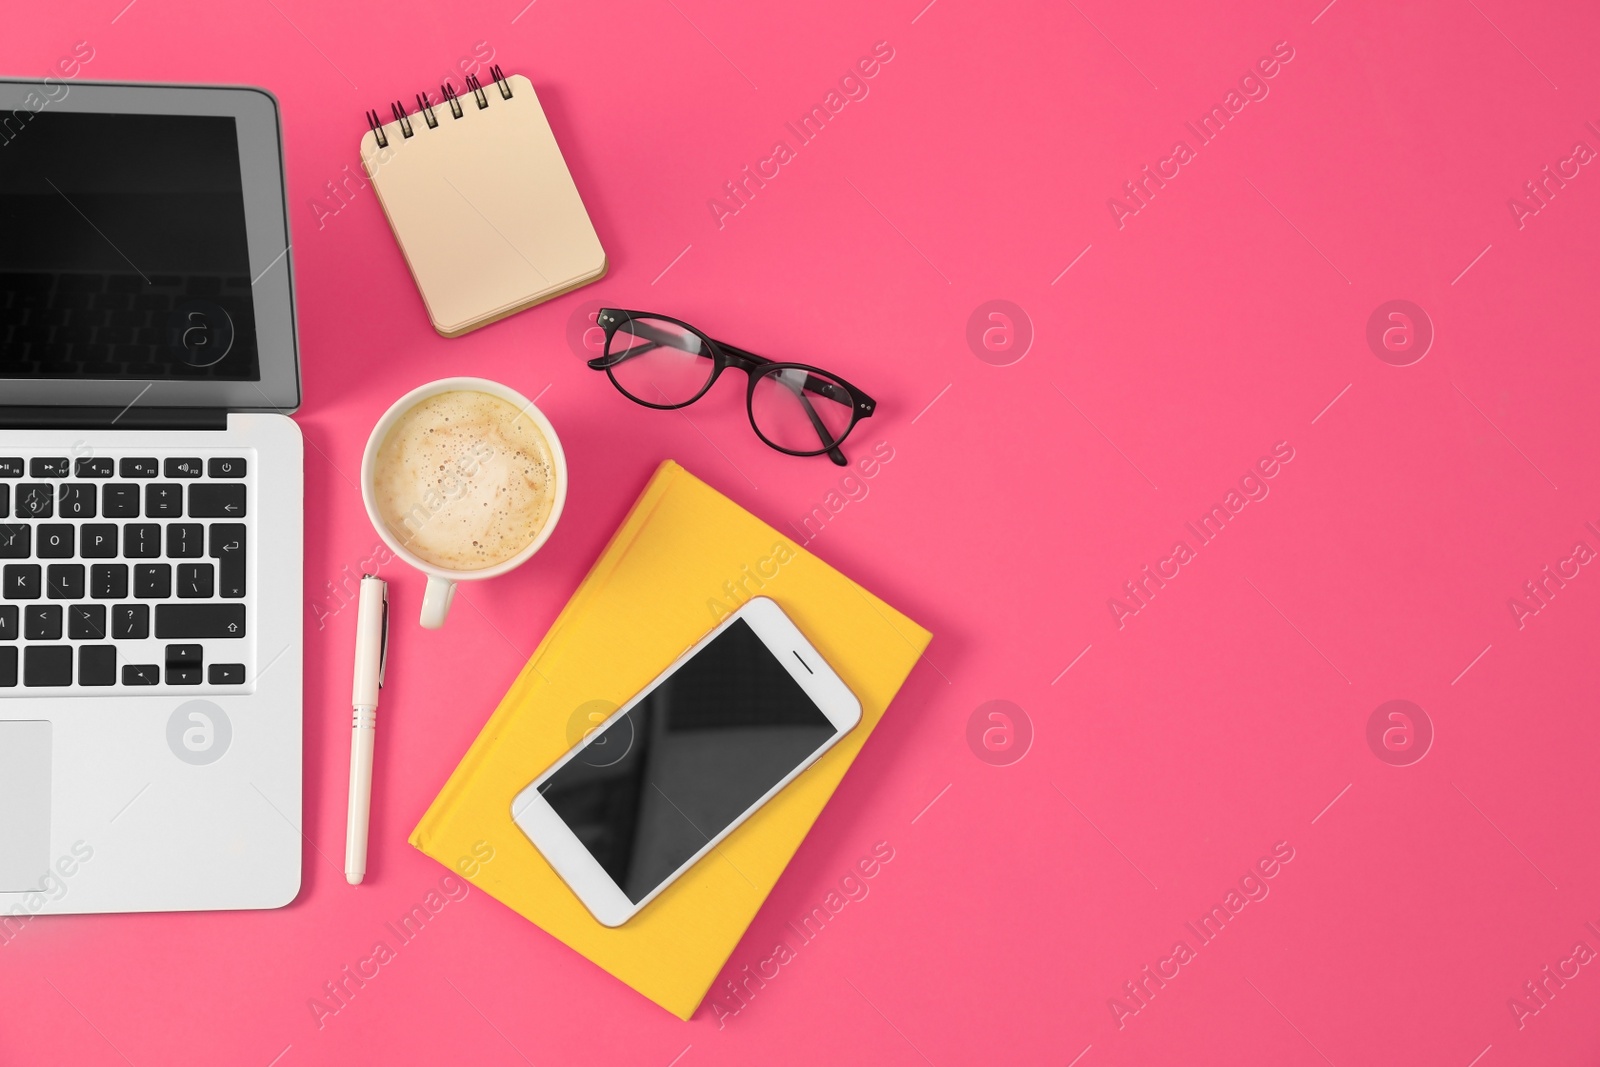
483	206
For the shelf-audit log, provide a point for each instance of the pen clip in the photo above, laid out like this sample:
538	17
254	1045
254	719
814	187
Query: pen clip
383	641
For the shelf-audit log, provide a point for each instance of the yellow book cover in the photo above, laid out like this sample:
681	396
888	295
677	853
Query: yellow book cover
683	558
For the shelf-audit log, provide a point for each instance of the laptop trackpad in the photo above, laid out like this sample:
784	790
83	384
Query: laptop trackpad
24	804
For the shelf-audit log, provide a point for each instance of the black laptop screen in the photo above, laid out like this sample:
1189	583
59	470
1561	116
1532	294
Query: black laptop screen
122	248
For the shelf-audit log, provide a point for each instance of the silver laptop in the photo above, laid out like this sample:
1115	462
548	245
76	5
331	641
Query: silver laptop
150	503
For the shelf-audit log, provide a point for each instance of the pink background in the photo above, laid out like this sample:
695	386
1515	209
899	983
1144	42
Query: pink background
1222	718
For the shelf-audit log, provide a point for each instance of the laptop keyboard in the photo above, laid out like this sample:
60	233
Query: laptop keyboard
124	569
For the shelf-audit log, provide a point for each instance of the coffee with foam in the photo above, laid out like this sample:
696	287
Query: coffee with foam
464	480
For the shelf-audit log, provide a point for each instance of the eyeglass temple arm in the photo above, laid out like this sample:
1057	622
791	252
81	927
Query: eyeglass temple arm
602	362
657	338
834	453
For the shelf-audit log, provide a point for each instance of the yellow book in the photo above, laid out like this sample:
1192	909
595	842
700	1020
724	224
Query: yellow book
683	558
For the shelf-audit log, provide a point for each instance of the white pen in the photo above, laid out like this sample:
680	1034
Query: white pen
372	648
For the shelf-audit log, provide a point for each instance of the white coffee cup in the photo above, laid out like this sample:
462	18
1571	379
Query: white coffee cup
442	580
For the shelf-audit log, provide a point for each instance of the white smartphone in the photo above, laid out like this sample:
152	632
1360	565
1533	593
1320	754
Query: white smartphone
657	784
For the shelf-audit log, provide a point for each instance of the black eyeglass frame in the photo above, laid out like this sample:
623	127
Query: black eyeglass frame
756	367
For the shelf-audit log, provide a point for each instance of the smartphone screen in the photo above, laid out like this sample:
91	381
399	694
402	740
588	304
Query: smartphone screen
687	760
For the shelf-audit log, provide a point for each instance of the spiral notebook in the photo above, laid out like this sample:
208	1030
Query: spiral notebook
481	202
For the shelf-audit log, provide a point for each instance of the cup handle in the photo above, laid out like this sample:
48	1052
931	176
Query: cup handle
436	602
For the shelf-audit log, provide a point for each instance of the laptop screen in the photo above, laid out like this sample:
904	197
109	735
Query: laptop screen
123	251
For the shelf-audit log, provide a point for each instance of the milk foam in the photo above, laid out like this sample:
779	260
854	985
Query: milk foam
464	480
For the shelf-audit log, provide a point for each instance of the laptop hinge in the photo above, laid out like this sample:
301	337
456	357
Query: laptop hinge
132	417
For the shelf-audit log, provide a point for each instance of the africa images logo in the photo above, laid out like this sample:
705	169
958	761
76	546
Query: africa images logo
740	988
853	86
1138	592
1138	992
1252	87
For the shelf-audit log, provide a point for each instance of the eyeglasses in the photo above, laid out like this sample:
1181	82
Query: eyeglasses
665	363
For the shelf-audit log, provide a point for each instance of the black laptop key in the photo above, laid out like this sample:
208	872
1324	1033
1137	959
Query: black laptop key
141	540
42	622
108	581
226	467
86	622
97	665
185	540
8	666
183	468
196	581
152	581
227	548
223	500
10	466
46	665
225	674
35	501
97	540
183	675
135	467
94	467
5	501
141	674
9	622
49	467
55	540
77	500
64	581
119	500
163	500
16	540
22	581
130	622
199	620
185	655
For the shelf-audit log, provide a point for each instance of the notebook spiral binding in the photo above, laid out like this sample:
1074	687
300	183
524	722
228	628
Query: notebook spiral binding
425	106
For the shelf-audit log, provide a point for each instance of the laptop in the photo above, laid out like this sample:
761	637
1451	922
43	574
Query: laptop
150	503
